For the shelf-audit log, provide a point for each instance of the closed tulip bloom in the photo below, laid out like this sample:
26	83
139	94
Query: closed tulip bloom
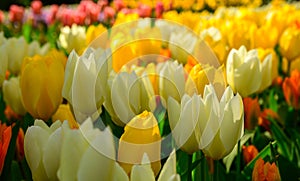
93	32
210	119
141	136
291	89
249	152
181	44
42	149
263	54
129	96
73	38
85	83
13	96
41	84
34	48
245	73
15	58
289	43
5	136
265	171
64	113
3	63
270	35
171	80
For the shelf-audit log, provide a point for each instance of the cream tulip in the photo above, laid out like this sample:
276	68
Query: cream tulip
3	63
204	123
246	74
181	44
85	83
73	38
13	96
129	96
35	48
16	51
42	149
171	80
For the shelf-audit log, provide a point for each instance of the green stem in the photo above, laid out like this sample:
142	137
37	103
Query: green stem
190	169
238	161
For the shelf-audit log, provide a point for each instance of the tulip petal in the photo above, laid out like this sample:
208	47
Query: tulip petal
266	72
143	171
169	168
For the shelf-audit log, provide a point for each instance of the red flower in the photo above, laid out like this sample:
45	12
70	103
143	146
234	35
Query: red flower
252	112
5	136
249	152
1	16
265	171
291	89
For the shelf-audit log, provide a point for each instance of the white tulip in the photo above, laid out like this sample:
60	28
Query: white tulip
245	73
72	38
171	80
204	123
40	143
34	48
85	83
13	96
3	63
16	50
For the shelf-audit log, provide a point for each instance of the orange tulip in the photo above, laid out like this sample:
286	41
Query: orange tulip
249	152
20	145
265	171
291	89
5	136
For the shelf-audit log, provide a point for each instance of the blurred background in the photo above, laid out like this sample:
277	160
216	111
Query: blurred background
4	4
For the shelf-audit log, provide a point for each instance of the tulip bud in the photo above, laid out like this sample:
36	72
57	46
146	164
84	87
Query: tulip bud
265	171
16	13
12	95
3	63
289	43
41	84
64	113
20	145
36	6
291	89
249	152
141	136
5	136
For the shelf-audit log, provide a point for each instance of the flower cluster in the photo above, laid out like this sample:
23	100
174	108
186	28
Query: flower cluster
155	90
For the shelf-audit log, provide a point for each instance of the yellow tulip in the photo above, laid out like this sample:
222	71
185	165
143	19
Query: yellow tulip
295	65
41	84
64	113
141	136
270	35
290	42
93	32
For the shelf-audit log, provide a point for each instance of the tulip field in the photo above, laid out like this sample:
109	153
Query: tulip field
163	90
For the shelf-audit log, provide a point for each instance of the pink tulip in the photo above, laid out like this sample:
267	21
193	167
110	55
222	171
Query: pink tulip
119	4
36	7
159	9
1	16
144	10
16	13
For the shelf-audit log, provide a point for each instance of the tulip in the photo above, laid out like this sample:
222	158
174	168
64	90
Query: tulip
93	32
16	13
171	80
42	149
291	89
34	48
64	113
1	17
213	38
6	133
289	43
263	54
270	35
73	38
181	44
295	65
36	6
265	171
3	63
249	152
141	135
12	95
15	58
85	83
203	123
41	84
245	73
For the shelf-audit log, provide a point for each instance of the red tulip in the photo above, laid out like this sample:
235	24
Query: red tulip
291	89
5	136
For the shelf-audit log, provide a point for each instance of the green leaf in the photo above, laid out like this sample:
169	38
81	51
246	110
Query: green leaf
16	174
228	160
26	30
273	101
